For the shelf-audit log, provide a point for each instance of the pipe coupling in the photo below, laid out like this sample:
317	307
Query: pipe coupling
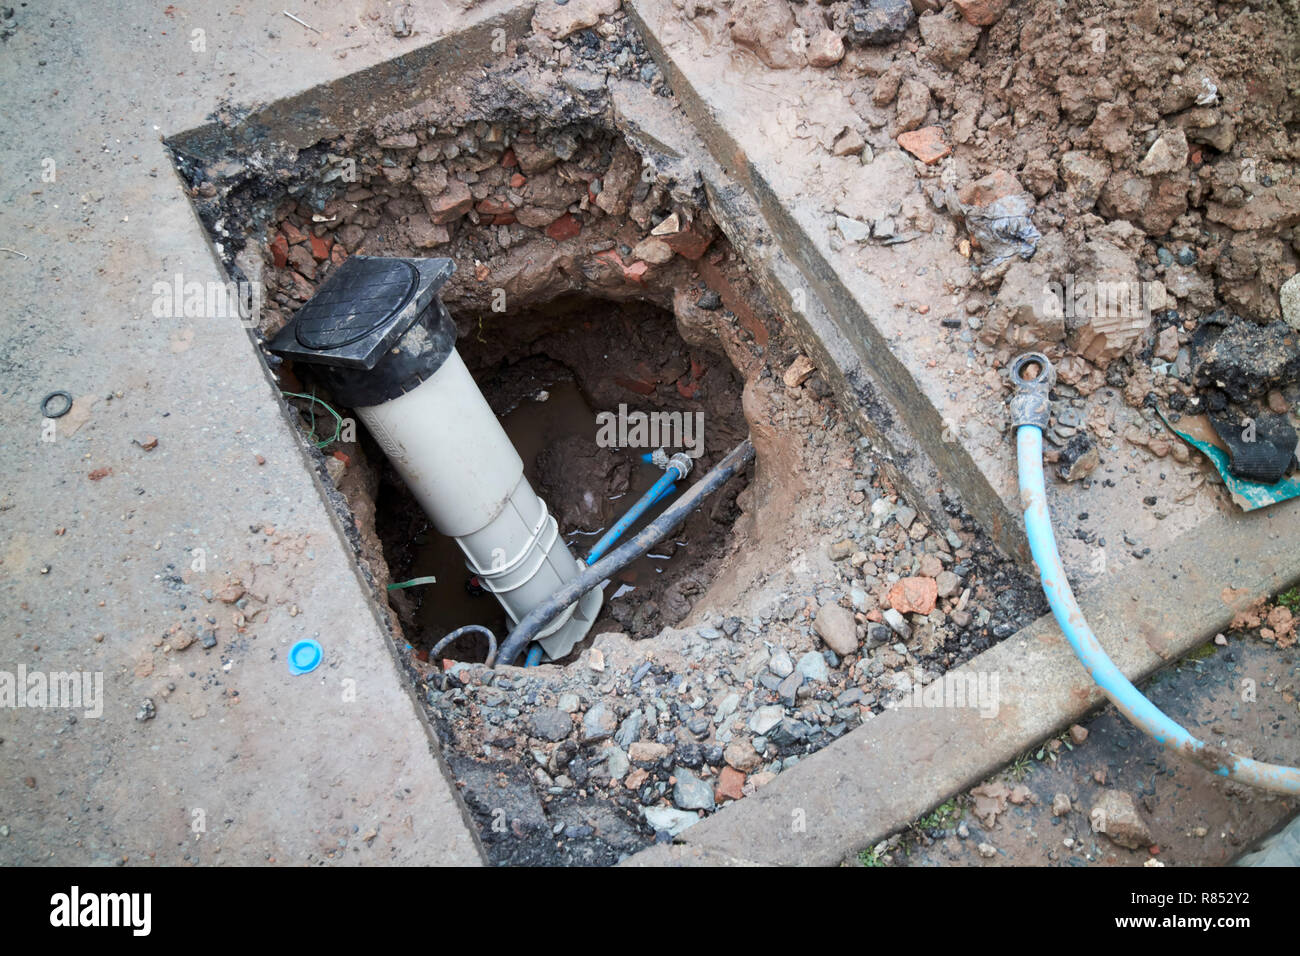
1033	376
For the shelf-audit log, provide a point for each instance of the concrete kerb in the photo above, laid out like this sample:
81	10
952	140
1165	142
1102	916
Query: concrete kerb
906	761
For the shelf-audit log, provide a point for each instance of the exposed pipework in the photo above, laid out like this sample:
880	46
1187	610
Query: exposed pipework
1030	409
379	337
625	553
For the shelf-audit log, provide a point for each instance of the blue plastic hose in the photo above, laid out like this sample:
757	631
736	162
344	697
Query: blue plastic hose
660	489
1130	701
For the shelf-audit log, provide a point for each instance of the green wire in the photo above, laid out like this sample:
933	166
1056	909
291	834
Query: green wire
338	419
411	583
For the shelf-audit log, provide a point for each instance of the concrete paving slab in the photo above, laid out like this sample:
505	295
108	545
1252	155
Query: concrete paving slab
116	549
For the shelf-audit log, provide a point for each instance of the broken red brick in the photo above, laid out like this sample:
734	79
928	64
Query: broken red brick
517	181
731	784
495	206
99	473
320	248
631	384
691	242
508	220
914	595
451	204
280	250
926	144
687	389
636	271
508	159
292	233
566	227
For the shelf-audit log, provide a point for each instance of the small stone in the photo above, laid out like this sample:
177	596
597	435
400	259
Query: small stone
800	370
690	792
647	751
981	13
852	230
1116	815
731	783
652	250
1078	734
839	550
947	583
599	722
765	718
849	143
897	623
1060	805
740	753
878	22
569	703
1290	300
147	710
1168	154
987	850
825	49
812	666
669	820
551	723
835	625
780	663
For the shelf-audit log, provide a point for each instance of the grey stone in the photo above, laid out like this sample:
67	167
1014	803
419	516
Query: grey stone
551	723
668	820
789	687
897	623
780	663
1290	296
629	732
765	718
616	762
813	666
878	22
852	230
690	792
599	722
726	708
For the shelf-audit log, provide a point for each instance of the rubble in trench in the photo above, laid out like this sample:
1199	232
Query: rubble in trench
1138	158
827	598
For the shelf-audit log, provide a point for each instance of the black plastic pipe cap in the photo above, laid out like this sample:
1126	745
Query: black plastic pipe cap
374	330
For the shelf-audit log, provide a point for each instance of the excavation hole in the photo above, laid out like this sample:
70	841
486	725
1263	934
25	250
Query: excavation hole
585	388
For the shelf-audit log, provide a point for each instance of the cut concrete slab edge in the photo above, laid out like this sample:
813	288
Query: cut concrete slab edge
846	314
904	762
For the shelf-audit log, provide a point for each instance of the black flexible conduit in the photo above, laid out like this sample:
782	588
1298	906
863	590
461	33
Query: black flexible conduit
625	553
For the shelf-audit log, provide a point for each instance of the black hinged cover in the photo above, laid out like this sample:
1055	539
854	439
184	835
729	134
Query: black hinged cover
365	305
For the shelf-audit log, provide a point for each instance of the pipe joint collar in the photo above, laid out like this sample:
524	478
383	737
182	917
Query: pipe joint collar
1033	376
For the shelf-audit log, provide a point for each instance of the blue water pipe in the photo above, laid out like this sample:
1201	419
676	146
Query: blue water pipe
675	468
1030	410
